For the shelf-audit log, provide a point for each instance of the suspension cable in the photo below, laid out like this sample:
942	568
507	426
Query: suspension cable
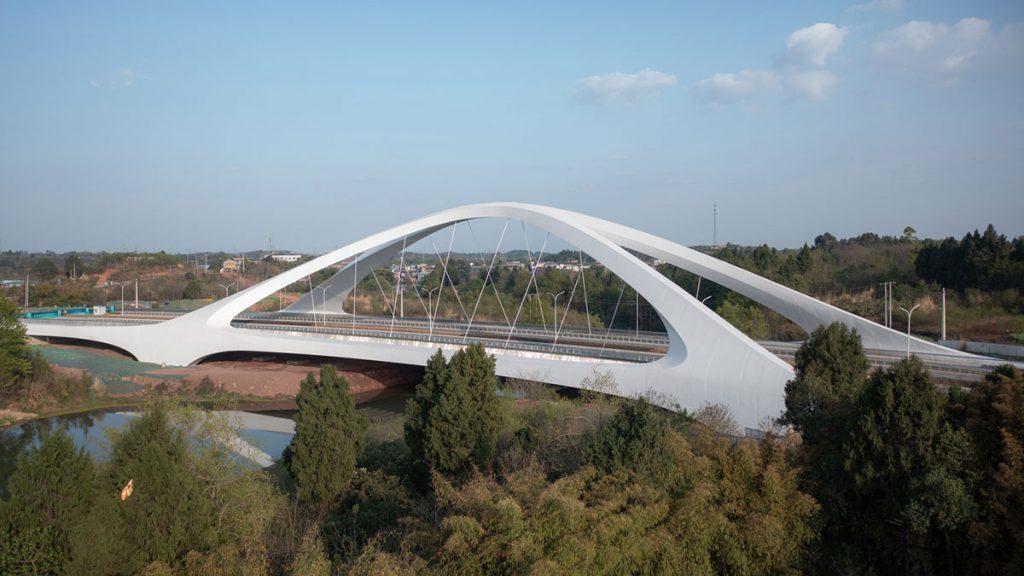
398	288
586	300
533	273
487	278
529	260
608	330
565	313
416	289
381	288
355	285
445	275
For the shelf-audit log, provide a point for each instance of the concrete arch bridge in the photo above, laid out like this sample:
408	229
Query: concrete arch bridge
707	359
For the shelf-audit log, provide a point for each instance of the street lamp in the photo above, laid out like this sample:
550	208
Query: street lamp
706	298
122	285
227	288
909	314
430	303
554	301
323	299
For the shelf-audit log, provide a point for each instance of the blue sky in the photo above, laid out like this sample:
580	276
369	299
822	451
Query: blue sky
192	127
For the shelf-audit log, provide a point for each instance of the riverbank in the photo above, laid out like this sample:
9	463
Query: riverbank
10	418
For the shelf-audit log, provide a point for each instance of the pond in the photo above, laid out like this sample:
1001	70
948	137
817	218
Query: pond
262	436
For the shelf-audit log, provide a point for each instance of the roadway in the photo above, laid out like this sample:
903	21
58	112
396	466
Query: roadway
608	345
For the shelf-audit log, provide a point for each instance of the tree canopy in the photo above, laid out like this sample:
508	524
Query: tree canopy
453	419
15	355
328	438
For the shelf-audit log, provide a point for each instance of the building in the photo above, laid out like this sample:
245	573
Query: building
286	257
231	265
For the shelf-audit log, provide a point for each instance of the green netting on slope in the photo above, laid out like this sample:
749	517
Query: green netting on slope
113	371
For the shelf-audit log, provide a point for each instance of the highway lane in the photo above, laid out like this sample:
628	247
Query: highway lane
609	345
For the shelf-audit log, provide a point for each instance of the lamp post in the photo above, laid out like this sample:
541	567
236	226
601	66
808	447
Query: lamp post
227	288
122	285
554	305
323	300
706	298
430	304
909	314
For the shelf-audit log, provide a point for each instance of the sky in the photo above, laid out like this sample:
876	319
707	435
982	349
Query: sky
205	126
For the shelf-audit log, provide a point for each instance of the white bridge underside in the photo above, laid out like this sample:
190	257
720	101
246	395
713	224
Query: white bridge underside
708	360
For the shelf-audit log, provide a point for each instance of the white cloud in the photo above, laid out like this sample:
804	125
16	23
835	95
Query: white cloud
815	43
123	78
734	87
936	49
879	6
812	84
621	87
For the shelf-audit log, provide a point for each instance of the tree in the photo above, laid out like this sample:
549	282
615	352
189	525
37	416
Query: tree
804	259
168	514
44	269
830	371
820	404
51	490
909	233
825	241
984	260
633	439
329	436
453	419
73	267
15	355
473	369
192	290
995	420
425	397
747	318
194	509
910	476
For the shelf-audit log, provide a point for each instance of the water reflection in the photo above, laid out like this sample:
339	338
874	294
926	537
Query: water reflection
91	431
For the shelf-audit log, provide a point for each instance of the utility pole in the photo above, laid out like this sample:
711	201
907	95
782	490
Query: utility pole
887	298
136	293
943	313
715	237
26	290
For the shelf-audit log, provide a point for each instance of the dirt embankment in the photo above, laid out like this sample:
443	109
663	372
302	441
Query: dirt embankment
273	379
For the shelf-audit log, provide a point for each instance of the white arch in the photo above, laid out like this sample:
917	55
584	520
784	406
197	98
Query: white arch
709	361
807	312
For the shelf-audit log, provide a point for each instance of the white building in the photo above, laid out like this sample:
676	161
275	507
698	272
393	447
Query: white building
286	257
